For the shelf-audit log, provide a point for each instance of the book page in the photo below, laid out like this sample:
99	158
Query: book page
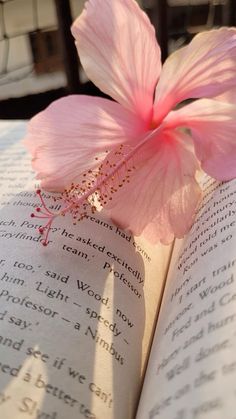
76	317
192	369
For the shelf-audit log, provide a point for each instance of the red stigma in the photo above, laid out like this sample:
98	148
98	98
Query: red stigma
45	214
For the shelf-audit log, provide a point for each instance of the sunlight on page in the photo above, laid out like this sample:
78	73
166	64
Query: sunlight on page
99	356
31	367
88	302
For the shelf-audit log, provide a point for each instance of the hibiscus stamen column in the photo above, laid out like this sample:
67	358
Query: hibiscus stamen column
96	186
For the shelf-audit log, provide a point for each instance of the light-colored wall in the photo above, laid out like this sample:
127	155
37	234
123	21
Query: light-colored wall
19	18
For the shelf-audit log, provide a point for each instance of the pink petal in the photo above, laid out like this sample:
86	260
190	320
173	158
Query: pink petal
213	128
119	52
229	96
161	198
65	139
204	68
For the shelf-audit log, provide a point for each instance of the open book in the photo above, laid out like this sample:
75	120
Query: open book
78	317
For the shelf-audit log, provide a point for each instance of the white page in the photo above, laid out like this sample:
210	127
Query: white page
76	318
192	369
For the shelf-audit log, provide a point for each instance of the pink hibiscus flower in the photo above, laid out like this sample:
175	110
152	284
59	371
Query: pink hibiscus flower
138	155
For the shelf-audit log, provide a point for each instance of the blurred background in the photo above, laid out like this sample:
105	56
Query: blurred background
38	59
